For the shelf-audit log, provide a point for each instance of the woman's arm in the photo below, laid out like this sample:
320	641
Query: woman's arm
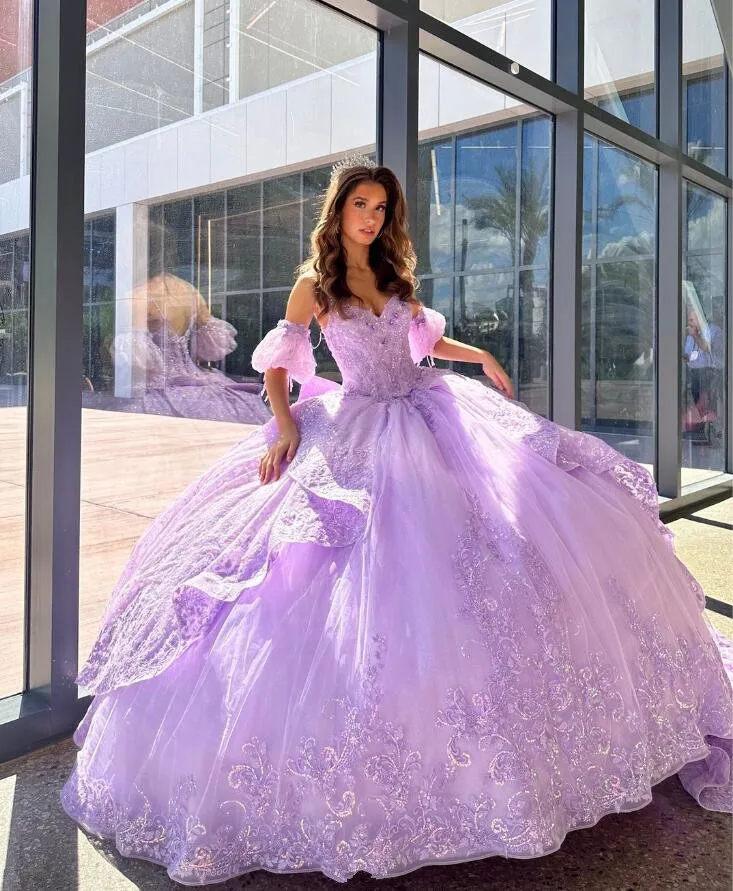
455	351
300	311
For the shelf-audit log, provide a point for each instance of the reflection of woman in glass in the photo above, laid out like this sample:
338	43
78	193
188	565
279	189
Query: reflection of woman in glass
446	628
704	354
172	332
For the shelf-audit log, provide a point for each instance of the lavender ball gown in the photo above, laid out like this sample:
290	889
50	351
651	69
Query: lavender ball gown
452	629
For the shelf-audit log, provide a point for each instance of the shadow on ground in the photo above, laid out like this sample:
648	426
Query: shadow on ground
670	844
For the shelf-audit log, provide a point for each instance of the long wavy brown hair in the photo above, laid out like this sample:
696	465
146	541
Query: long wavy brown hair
391	255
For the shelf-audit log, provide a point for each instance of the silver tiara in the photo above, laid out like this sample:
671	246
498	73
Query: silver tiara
349	162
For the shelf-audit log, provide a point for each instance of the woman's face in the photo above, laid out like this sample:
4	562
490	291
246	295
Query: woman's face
363	213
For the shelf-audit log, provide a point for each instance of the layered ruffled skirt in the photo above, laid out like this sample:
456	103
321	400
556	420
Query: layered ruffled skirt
452	629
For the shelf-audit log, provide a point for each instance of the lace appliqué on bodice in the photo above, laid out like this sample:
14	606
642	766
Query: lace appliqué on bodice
373	352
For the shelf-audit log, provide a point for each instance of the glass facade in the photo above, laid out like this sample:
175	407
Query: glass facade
619	299
704	85
211	129
619	60
520	30
704	326
483	236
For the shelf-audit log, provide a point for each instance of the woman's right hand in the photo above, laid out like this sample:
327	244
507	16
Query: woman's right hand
284	448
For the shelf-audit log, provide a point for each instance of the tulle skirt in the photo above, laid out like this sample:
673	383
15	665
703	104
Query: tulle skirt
452	629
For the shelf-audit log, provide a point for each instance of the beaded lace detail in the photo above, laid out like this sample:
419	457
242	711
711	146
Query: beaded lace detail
168	598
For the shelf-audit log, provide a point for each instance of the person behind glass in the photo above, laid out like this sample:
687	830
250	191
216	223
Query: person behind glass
405	622
704	353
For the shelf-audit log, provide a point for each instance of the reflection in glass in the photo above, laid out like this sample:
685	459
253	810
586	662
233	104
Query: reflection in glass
618	300
519	29
619	60
434	239
210	140
484	316
484	207
704	74
704	348
209	245
243	228
281	219
145	79
278	45
532	347
16	115
486	198
164	362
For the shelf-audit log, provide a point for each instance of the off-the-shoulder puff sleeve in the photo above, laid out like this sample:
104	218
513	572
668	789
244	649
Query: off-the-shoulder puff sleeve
138	350
288	346
426	329
213	340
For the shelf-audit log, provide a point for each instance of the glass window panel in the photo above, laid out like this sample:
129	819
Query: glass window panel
532	339
483	204
484	316
704	75
486	198
704	325
434	240
534	204
209	234
277	48
144	80
178	242
190	216
15	123
245	313
618	375
215	52
438	293
281	216
101	240
244	233
520	30
11	126
625	212
619	59
315	183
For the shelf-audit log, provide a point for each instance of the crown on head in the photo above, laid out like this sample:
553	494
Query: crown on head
349	162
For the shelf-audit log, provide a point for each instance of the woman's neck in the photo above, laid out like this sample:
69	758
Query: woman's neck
357	256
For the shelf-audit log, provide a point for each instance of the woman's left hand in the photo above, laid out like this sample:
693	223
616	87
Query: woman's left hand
498	377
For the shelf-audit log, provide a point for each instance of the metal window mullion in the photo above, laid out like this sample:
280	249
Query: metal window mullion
668	350
398	89
567	238
729	301
593	286
261	293
198	57
235	47
517	257
56	344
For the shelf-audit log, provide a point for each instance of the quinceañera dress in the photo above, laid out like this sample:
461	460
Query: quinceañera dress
451	629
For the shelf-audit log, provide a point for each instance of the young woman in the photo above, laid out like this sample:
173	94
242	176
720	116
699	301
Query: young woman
406	622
